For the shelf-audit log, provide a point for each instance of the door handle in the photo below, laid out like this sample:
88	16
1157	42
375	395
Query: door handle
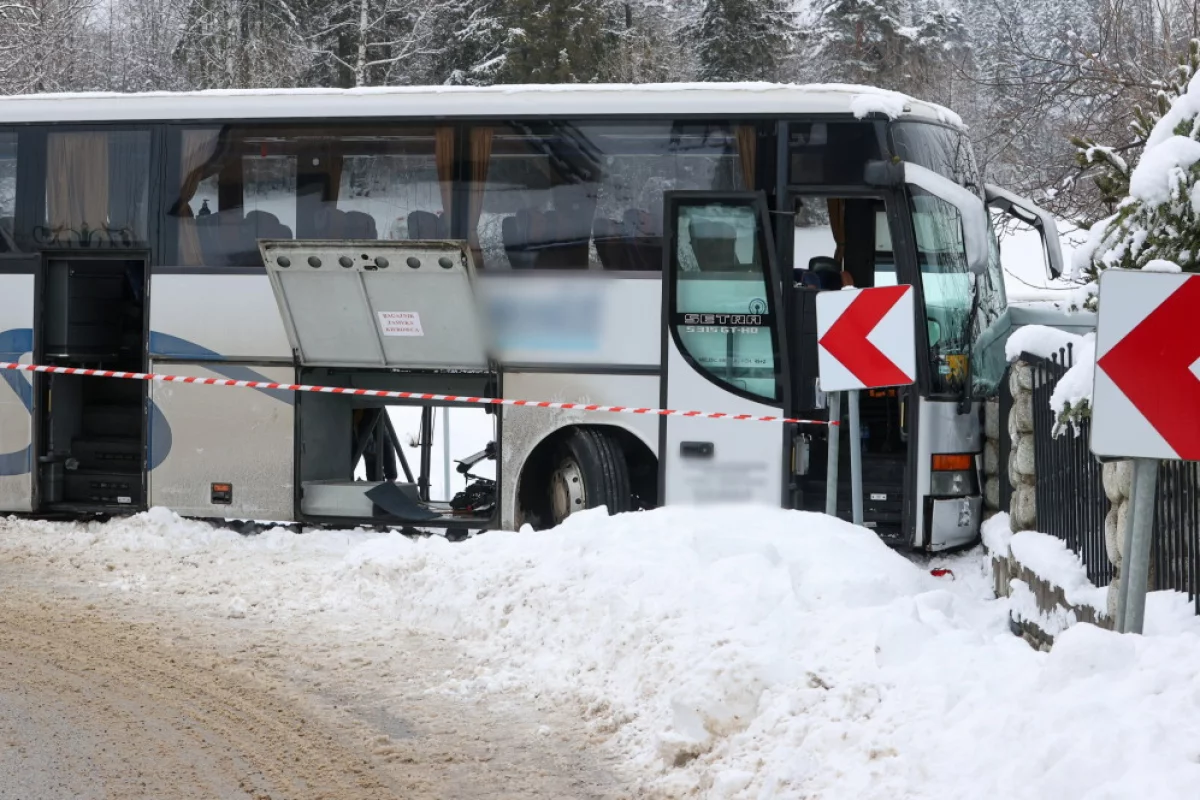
696	449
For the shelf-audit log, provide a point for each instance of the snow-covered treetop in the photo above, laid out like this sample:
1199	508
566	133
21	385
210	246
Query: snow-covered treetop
1157	226
500	100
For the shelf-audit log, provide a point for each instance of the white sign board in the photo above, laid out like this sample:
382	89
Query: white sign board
400	323
1146	392
866	338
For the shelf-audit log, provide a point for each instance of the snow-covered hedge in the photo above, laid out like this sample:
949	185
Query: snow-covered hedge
1071	400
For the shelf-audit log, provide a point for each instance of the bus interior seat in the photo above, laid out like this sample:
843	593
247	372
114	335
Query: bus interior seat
714	245
826	272
425	225
518	234
7	245
615	249
360	225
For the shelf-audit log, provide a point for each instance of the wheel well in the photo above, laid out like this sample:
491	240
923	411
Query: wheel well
533	501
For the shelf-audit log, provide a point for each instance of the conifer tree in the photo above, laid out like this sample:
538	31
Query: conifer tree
742	40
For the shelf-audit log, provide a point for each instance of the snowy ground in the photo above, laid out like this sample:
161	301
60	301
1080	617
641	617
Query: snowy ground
723	653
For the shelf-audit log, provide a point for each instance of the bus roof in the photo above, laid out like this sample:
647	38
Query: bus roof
505	101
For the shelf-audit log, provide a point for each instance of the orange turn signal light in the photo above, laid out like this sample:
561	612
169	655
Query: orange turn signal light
953	463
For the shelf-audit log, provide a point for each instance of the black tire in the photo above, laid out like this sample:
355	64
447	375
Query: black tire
589	471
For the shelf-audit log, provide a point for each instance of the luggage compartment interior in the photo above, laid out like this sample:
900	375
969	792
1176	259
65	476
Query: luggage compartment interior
91	443
357	466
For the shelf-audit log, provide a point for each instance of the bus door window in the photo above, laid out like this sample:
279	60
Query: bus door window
589	195
97	190
840	242
722	309
8	193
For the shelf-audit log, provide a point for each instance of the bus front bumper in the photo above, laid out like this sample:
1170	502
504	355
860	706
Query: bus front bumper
953	521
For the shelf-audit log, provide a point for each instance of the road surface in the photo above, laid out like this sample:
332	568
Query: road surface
98	702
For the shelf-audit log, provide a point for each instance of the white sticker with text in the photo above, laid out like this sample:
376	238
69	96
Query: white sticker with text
400	323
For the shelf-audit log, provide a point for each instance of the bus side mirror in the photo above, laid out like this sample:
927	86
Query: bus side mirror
935	331
1034	216
975	222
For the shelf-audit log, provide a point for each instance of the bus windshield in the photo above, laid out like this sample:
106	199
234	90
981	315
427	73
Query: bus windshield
960	307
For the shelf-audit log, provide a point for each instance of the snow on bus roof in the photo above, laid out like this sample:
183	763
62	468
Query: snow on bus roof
657	99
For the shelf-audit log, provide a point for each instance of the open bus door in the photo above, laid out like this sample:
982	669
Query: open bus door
723	350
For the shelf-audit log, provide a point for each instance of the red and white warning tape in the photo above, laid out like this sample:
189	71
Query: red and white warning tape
441	398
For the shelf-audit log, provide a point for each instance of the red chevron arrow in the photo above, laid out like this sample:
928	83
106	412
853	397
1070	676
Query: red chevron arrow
1152	365
846	340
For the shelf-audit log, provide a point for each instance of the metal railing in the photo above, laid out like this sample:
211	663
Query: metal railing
1176	543
1071	503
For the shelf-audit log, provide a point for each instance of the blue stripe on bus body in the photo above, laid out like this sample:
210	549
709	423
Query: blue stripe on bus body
14	344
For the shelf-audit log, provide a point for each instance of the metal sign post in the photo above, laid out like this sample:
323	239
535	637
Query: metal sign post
835	436
1138	536
1144	401
856	493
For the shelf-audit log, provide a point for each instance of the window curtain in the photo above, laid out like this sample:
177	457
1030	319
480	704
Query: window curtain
76	186
196	149
128	186
443	154
837	223
335	162
481	158
747	142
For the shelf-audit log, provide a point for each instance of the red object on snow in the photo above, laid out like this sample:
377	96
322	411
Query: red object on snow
941	572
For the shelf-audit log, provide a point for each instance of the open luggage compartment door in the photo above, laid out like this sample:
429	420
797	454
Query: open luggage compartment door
378	304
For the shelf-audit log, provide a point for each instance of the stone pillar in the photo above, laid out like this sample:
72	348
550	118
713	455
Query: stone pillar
1023	508
992	470
1118	483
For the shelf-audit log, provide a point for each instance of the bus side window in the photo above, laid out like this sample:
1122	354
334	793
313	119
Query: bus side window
722	309
8	192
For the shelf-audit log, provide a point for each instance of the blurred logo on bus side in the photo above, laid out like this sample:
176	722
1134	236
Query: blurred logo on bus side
542	320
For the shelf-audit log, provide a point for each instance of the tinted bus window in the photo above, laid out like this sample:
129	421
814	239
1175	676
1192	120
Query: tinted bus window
242	184
589	195
8	192
830	153
936	147
97	190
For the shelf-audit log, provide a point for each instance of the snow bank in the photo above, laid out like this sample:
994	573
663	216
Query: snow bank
725	653
1048	558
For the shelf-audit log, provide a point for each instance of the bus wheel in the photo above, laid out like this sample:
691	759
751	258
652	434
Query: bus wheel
590	472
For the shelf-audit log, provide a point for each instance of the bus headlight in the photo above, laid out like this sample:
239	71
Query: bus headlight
953	475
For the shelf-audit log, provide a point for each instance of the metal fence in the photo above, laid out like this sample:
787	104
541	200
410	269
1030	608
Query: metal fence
1071	503
1177	529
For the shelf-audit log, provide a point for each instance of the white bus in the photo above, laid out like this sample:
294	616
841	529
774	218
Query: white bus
650	245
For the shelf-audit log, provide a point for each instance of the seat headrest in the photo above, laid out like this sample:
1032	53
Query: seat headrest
823	264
